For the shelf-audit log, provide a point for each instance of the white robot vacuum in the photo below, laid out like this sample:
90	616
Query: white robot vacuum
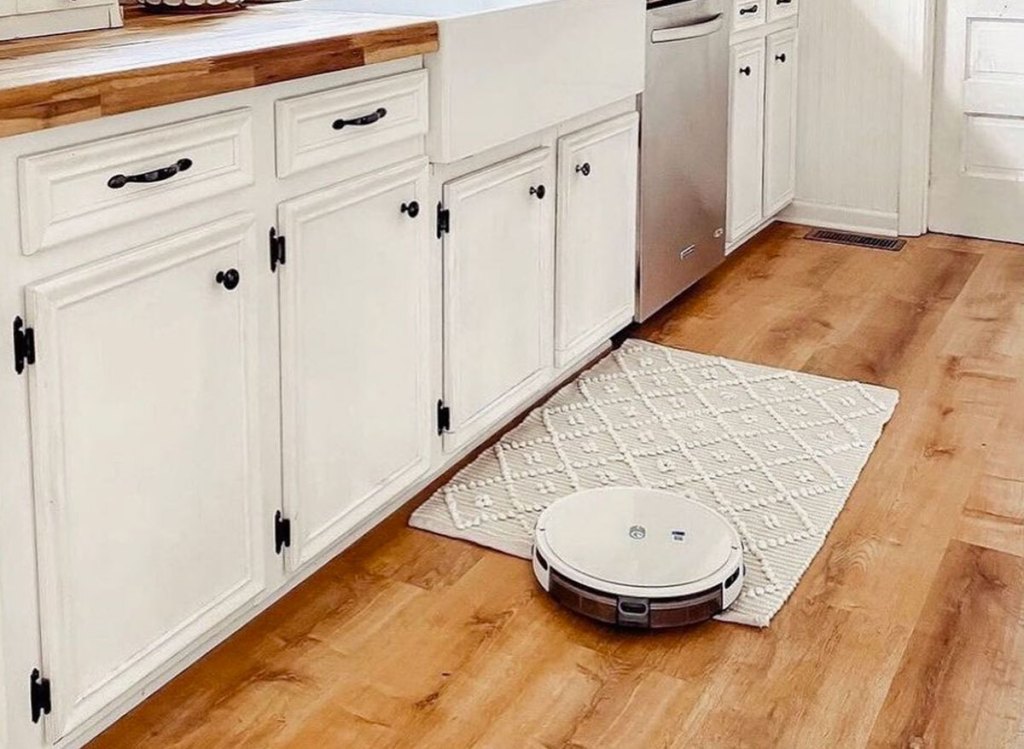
638	558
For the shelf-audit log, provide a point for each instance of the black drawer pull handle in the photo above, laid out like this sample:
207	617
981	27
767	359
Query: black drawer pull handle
411	209
746	70
229	278
749	9
584	169
783	2
540	191
366	119
157	175
781	58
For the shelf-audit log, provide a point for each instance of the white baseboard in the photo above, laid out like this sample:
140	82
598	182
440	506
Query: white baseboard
842	218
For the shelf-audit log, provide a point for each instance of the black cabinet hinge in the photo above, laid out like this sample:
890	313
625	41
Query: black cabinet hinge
39	695
277	249
444	220
282	532
444	418
24	345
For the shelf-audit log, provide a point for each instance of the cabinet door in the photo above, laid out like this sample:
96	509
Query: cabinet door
780	122
596	238
145	437
746	138
498	291
355	352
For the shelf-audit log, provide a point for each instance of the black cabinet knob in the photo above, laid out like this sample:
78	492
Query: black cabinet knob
229	278
780	58
750	9
540	191
583	169
412	209
746	70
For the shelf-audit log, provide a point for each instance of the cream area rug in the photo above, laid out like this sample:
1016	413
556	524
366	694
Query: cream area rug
776	452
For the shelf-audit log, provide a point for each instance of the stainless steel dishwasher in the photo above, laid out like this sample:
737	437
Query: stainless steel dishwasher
683	148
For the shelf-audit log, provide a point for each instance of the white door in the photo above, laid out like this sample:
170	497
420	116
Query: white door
355	352
780	121
498	291
595	284
145	438
746	138
977	181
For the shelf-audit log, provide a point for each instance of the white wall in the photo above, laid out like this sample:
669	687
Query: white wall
855	58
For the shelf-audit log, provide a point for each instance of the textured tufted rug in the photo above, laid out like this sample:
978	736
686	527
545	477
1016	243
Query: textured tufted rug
777	452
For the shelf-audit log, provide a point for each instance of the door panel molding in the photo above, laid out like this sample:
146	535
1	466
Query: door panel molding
461	249
57	430
397	256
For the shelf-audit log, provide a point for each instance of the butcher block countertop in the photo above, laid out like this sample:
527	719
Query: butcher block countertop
165	58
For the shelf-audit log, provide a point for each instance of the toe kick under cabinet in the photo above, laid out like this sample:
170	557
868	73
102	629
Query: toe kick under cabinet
762	117
243	330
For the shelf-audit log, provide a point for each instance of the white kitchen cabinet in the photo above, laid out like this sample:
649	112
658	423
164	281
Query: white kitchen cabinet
596	235
167	418
355	350
145	435
746	138
762	128
498	291
780	121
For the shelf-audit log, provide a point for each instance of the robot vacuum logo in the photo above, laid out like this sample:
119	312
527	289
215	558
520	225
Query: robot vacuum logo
637	532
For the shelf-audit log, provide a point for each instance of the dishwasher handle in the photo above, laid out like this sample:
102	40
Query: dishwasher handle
692	31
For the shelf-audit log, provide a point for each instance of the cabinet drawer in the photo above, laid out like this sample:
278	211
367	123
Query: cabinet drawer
326	126
749	13
778	9
90	187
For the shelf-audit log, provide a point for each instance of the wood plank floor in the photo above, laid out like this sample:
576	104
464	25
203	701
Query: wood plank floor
907	630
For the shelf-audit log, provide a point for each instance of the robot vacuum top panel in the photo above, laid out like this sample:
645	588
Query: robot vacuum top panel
633	541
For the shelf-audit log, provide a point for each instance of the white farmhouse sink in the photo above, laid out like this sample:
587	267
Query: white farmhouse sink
508	68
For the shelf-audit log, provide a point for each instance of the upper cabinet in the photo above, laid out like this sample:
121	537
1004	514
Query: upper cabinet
145	433
596	238
498	230
355	351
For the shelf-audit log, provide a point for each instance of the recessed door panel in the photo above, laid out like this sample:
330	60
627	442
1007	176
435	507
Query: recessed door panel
498	291
355	354
746	138
145	443
596	238
977	175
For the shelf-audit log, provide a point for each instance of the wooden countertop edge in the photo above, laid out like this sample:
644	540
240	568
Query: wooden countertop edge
40	106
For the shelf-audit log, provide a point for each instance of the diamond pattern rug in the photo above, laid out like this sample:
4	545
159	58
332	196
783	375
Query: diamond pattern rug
777	452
